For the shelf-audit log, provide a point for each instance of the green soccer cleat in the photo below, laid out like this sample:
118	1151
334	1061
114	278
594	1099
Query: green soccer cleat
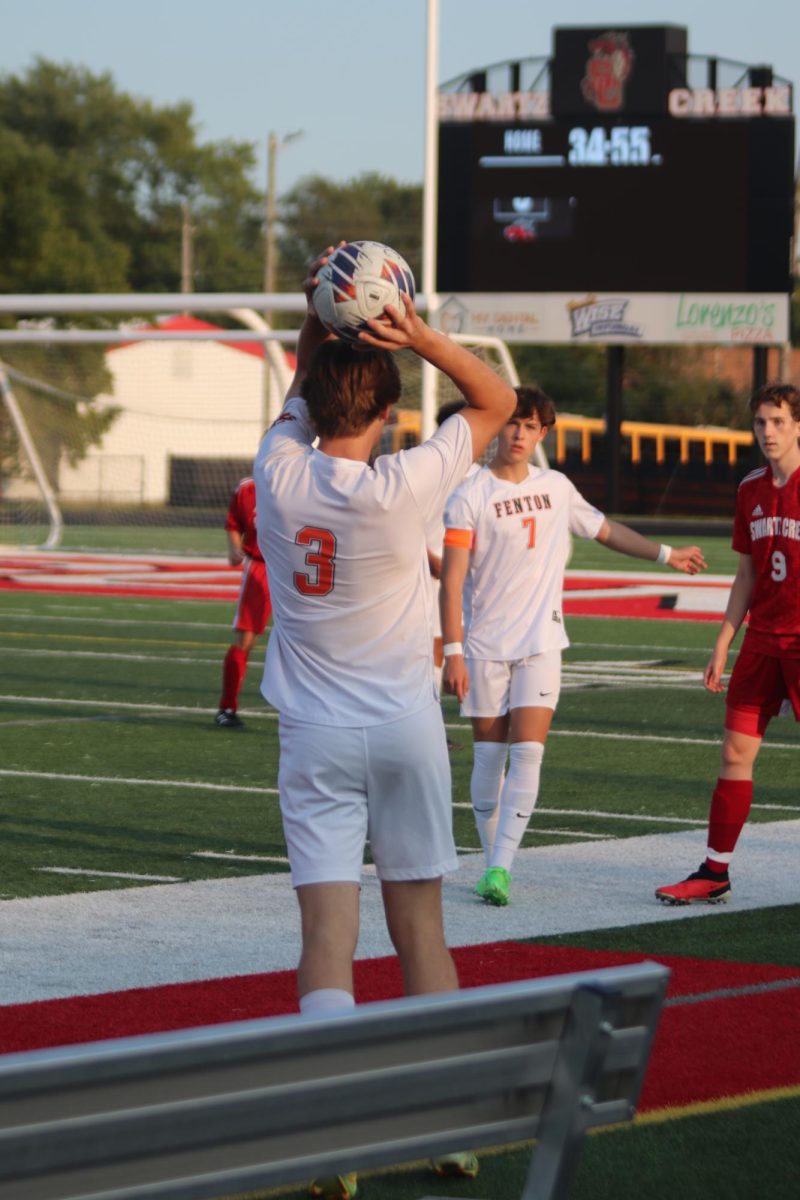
335	1187
493	886
456	1166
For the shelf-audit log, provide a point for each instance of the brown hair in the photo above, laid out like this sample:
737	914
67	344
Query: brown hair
778	394
533	401
347	388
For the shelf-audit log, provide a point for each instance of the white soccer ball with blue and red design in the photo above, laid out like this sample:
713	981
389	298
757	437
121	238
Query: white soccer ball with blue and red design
355	285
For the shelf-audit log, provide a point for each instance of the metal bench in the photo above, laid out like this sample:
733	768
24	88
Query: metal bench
231	1108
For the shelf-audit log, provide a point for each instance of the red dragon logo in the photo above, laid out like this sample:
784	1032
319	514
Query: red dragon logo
611	63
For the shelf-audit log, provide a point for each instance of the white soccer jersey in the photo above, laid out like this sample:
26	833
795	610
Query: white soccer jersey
344	545
518	535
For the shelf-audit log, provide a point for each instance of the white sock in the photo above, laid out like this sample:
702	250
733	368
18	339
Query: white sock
326	1002
488	765
517	800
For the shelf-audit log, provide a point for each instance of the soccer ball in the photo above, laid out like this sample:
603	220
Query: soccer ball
355	285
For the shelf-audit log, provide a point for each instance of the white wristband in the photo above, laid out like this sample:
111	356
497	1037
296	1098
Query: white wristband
451	648
664	552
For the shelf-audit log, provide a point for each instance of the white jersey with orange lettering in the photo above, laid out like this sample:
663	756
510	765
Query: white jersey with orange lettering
344	545
519	538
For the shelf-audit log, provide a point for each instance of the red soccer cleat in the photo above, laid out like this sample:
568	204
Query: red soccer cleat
703	887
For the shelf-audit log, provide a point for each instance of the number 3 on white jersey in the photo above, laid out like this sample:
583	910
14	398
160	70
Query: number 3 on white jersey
320	558
778	566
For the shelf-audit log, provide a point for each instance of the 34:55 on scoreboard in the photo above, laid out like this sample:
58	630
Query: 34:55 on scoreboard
658	205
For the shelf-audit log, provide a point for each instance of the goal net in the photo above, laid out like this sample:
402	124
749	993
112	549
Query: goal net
137	443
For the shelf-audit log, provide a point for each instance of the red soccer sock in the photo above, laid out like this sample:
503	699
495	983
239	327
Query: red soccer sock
730	805
233	669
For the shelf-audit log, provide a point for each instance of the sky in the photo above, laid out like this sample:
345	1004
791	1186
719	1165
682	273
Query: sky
349	74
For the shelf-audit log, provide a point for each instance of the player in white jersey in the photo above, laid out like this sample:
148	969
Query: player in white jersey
349	667
507	541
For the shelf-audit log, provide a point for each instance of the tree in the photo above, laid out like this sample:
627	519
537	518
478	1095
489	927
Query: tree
575	376
92	187
92	184
318	212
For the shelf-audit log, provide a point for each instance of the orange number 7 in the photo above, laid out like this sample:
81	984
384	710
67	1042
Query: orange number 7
531	523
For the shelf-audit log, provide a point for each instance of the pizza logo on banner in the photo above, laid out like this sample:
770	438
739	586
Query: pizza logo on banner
607	71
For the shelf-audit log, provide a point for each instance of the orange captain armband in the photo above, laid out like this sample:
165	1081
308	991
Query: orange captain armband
463	539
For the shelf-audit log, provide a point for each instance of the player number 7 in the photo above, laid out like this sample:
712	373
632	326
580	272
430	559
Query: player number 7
531	524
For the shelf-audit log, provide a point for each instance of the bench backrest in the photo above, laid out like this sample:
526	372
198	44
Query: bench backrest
208	1112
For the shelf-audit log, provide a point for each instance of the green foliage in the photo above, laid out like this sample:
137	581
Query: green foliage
661	384
318	212
92	186
575	376
671	384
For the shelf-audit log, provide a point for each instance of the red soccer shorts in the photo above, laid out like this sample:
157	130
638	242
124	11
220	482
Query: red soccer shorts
758	687
253	609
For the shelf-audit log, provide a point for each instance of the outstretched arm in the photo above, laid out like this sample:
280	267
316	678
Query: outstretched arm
735	613
616	536
490	399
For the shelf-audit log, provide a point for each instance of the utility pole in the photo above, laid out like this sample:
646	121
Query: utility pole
274	144
187	234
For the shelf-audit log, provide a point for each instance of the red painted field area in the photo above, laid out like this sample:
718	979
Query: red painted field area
699	1054
670	597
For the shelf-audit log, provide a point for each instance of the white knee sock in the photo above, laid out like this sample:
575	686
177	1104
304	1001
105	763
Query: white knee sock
517	801
487	779
326	1002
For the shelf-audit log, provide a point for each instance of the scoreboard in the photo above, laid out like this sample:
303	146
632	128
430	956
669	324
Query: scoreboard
593	202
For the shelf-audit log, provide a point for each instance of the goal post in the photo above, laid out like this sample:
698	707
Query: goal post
29	511
141	452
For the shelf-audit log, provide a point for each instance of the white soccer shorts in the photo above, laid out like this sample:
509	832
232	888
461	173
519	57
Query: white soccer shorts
497	687
389	783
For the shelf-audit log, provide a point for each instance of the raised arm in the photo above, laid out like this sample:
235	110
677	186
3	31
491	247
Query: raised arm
312	332
616	536
490	400
735	613
455	564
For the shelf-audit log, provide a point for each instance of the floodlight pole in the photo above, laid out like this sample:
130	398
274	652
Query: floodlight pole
429	206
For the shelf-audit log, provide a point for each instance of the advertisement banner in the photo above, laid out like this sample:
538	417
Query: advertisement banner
638	318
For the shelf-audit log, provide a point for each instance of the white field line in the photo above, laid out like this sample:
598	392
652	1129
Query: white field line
199	785
573	679
127	781
130	705
231	856
123	622
126	622
587	812
155	657
110	874
270	714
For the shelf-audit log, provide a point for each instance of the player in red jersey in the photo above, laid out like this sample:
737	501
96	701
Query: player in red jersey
766	677
253	609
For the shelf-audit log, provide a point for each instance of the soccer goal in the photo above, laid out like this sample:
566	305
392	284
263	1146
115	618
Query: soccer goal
132	439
